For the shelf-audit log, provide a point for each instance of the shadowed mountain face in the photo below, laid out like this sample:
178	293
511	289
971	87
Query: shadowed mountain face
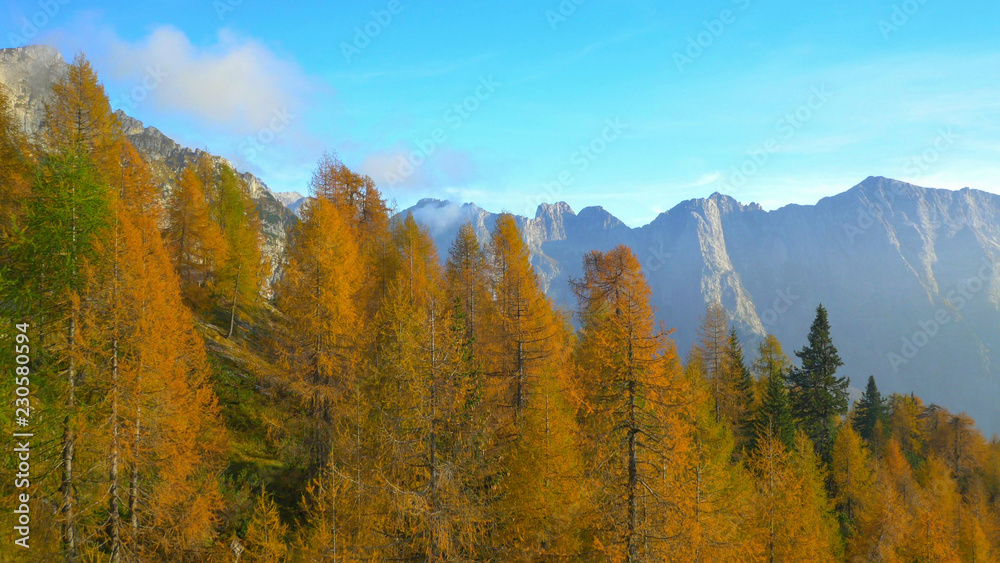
28	73
907	274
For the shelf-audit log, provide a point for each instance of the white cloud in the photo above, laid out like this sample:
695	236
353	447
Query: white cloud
237	82
403	168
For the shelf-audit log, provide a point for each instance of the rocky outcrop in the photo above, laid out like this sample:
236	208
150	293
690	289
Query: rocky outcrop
167	159
27	75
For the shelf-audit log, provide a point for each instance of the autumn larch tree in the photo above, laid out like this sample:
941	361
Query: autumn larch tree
520	338
196	244
713	341
79	116
632	389
883	523
316	295
419	502
17	161
791	519
712	495
140	352
82	136
367	215
543	507
851	472
466	275
265	537
66	214
934	535
243	271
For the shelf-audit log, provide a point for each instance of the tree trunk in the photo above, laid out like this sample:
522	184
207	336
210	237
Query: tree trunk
114	518
115	523
236	293
633	480
133	486
69	438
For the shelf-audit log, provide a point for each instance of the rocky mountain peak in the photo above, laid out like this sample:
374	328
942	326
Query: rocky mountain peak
597	215
553	209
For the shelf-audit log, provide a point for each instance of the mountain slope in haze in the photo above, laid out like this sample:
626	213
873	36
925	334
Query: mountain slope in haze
28	73
907	274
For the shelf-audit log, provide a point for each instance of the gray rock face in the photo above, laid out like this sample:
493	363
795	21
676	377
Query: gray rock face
292	200
168	158
907	274
28	73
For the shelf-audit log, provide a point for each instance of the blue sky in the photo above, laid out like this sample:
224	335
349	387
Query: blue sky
635	105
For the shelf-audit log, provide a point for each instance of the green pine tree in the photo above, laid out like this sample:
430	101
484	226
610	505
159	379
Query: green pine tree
742	386
774	416
869	411
817	395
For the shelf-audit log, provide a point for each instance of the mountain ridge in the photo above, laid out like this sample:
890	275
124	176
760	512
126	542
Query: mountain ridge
884	257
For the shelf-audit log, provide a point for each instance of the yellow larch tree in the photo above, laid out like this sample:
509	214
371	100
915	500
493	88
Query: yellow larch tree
630	414
882	524
544	500
155	434
65	213
196	244
466	276
265	537
790	519
421	393
714	495
78	115
934	535
851	472
316	296
713	337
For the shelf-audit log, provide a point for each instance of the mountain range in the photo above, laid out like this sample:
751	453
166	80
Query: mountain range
907	273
